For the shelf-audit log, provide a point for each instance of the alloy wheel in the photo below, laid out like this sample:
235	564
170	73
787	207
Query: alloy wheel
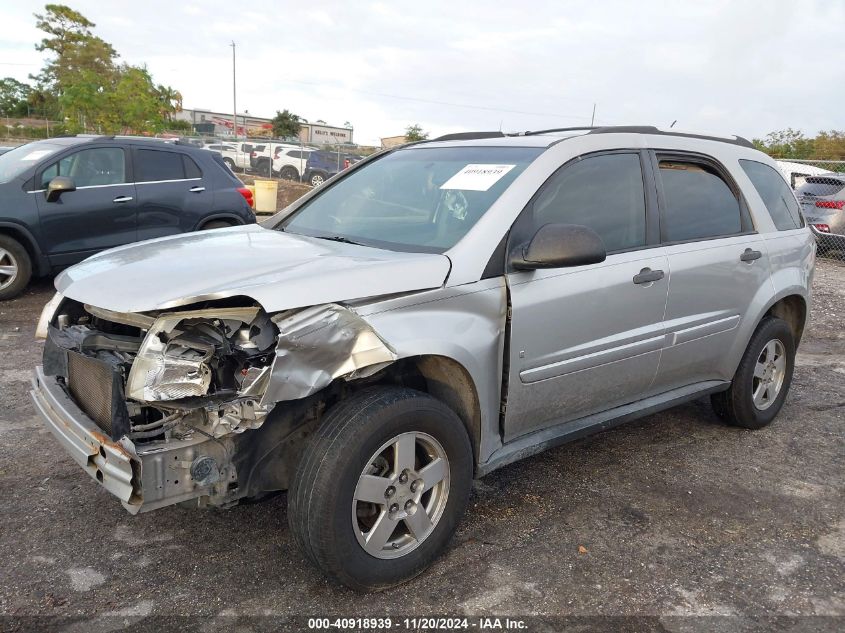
8	269
400	495
769	374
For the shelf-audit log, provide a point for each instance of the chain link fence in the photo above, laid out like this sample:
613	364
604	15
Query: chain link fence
819	186
284	159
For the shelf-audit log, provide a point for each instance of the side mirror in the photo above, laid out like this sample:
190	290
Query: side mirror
559	246
58	186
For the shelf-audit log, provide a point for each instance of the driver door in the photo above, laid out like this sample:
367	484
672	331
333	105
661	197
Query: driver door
100	214
587	338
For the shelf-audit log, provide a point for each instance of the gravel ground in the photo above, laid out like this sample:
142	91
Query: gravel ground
671	515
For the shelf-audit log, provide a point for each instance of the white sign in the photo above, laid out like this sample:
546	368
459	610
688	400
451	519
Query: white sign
478	177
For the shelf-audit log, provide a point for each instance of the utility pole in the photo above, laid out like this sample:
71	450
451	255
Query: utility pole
593	120
234	95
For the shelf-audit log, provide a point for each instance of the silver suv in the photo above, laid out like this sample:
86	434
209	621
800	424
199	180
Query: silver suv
429	315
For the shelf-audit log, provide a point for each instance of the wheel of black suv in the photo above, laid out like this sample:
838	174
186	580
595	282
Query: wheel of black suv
15	267
289	173
381	487
762	380
317	179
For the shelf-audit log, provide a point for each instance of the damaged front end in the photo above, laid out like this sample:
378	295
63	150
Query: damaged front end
155	405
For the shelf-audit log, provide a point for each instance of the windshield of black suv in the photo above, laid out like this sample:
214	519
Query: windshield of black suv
416	199
13	163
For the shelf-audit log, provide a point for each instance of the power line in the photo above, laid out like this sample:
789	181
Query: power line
444	103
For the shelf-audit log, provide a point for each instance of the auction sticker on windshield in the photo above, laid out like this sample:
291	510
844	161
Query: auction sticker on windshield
477	177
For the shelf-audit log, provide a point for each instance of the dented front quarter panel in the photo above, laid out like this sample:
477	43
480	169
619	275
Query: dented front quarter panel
319	344
465	324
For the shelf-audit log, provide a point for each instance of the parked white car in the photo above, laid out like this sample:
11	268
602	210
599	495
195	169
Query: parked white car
289	161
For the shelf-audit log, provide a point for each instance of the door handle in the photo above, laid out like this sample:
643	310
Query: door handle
196	189
647	275
749	256
121	199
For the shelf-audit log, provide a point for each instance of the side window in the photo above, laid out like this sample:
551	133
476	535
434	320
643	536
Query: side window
152	165
604	193
89	168
698	203
775	193
192	170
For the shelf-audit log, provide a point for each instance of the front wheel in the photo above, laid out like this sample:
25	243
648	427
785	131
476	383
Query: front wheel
381	487
762	380
15	267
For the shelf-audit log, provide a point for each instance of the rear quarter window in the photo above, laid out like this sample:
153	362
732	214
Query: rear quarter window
776	195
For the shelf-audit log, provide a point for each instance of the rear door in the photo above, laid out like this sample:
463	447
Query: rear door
173	194
100	214
588	338
718	265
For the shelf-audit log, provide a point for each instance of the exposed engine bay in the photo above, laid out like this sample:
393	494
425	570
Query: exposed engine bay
189	383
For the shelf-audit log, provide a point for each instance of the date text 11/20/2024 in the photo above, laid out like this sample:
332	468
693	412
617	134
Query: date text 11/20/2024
418	624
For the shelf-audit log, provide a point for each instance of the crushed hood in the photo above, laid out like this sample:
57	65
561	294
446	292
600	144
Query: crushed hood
279	270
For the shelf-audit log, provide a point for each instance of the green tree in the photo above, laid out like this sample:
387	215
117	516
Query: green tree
829	145
415	133
14	97
74	48
83	81
786	143
285	124
170	101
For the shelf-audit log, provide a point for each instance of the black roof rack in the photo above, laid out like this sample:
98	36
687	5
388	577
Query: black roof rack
469	136
615	129
557	129
650	129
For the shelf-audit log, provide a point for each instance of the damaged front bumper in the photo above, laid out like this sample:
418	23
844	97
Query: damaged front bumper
143	478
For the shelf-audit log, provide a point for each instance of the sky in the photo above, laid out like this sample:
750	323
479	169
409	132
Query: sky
719	66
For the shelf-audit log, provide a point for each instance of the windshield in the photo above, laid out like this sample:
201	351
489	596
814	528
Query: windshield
18	160
416	199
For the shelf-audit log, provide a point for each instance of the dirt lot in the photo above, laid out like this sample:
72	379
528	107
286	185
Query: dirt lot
671	515
288	190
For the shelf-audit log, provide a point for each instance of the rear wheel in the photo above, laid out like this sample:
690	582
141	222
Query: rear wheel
381	487
289	173
229	163
317	179
15	267
762	380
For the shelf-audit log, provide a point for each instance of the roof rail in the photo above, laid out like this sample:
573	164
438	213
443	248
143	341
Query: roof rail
469	136
557	129
650	129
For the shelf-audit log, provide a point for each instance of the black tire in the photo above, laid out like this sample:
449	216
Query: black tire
230	164
321	496
216	224
316	179
13	254
736	405
289	173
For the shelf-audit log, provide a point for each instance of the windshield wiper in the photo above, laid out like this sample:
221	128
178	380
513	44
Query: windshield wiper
337	238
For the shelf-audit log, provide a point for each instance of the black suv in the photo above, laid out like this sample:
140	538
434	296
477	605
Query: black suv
64	199
322	165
